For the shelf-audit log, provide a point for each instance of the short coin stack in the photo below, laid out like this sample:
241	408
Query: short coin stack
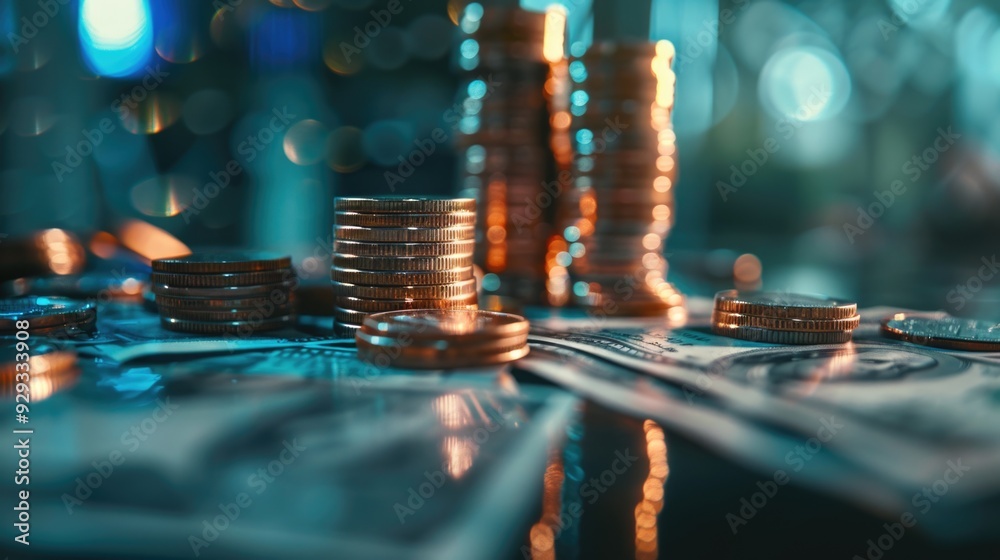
442	339
782	318
970	335
395	253
624	169
214	293
47	316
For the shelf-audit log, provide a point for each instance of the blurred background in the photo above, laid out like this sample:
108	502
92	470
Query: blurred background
846	147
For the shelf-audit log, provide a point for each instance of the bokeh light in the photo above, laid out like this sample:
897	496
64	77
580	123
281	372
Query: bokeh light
116	36
804	84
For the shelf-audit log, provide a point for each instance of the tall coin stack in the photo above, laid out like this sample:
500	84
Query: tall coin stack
624	171
783	318
503	145
393	253
214	293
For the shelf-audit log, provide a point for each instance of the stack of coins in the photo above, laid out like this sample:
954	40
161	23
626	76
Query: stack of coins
970	335
442	339
782	318
504	146
47	316
393	253
213	293
624	170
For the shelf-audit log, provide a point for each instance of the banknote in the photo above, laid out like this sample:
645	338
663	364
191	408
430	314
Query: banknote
129	332
897	414
276	454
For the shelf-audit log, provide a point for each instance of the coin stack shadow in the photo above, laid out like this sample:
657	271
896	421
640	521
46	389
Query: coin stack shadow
780	318
393	253
624	171
503	146
216	293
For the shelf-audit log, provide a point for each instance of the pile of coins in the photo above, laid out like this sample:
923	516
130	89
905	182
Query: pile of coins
781	318
970	335
214	293
504	146
393	253
442	339
47	316
624	170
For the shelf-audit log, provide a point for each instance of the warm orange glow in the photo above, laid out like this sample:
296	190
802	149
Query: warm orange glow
150	241
747	269
553	43
103	244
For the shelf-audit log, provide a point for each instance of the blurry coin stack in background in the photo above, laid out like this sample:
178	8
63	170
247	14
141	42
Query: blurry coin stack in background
393	253
47	316
442	339
783	318
624	171
44	253
213	293
503	146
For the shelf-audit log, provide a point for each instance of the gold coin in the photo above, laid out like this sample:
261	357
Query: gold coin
443	347
274	291
402	264
367	249
349	315
358	219
390	204
376	354
224	315
756	334
368	305
784	305
404	235
447	324
222	280
440	291
797	325
227	262
970	335
283	298
344	330
388	278
238	327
